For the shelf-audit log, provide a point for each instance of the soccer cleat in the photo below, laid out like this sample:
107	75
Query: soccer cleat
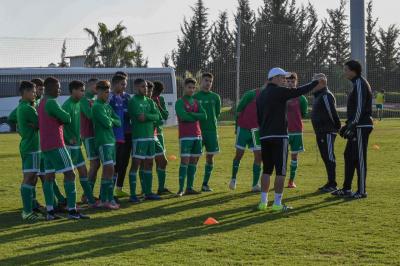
346	193
95	205
262	206
256	188
75	215
119	193
206	188
164	191
134	199
180	193
280	208
152	197
31	217
358	195
191	191
291	184
328	188
109	205
232	184
51	215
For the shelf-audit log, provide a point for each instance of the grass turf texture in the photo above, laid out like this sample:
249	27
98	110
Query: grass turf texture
319	230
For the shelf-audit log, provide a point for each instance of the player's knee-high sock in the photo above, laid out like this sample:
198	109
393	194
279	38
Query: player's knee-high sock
27	196
182	176
256	174
34	200
235	168
48	190
191	172
141	178
132	183
104	189
70	192
57	192
110	190
87	190
92	183
293	169
161	178
207	173
148	181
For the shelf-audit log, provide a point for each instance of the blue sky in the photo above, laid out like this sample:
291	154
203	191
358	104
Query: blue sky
40	25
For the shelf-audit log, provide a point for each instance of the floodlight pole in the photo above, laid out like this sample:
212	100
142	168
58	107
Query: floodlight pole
238	46
357	31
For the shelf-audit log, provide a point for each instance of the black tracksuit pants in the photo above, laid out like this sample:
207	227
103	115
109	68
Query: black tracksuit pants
326	146
123	154
355	157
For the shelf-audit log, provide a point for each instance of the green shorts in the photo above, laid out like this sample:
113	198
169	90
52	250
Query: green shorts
159	145
210	141
90	148
76	155
248	138
31	162
107	154
190	147
143	148
57	161
379	106
296	142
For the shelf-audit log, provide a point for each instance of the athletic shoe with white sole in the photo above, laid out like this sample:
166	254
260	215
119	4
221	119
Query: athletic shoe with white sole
232	184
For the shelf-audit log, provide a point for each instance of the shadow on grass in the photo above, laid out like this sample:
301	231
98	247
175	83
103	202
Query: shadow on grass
111	243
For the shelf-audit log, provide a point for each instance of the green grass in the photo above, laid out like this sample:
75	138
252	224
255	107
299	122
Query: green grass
319	230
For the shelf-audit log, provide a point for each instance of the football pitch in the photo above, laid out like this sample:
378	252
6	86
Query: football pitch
320	229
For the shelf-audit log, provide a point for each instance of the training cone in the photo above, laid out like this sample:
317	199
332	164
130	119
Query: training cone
171	157
376	147
210	221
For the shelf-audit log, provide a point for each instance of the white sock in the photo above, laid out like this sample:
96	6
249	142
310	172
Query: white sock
264	197
278	199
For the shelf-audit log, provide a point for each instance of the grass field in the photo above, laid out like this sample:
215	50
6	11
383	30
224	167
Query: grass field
319	230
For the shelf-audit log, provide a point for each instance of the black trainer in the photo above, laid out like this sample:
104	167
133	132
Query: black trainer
75	215
358	195
346	193
51	215
191	191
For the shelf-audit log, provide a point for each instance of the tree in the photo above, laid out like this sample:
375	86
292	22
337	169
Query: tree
139	60
165	62
63	62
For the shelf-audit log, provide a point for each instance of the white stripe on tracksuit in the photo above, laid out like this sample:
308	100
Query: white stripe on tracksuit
361	160
359	101
330	147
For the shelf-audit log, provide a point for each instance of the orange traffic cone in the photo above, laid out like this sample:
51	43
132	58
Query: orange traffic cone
376	147
171	157
210	221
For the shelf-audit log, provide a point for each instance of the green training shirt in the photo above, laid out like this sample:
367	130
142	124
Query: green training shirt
72	130
104	118
28	127
163	113
211	102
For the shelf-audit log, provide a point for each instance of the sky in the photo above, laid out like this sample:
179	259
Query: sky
32	32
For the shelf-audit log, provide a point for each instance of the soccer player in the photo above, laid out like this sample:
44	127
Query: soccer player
272	119
87	132
27	119
357	129
189	112
296	110
247	135
104	119
119	102
211	102
143	115
56	157
39	89
379	101
72	137
160	159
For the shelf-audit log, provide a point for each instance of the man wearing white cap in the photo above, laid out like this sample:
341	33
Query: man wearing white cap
272	120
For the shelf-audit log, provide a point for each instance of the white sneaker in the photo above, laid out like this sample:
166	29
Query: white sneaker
256	188
232	184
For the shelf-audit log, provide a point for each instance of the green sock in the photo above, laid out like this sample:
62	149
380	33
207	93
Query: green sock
92	183
293	169
161	178
57	192
132	183
26	195
207	173
110	192
70	192
256	173
87	190
141	178
148	181
235	168
104	190
182	176
191	172
34	200
48	191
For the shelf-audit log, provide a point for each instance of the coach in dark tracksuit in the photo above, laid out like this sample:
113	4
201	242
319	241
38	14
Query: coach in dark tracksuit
357	130
326	124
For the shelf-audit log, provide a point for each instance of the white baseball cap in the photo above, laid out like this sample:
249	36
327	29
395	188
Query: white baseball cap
277	71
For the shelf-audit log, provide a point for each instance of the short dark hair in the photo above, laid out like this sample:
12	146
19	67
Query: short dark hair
158	87
190	81
26	85
355	66
293	75
50	81
38	82
122	73
75	84
92	80
207	75
117	78
138	81
103	85
150	84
